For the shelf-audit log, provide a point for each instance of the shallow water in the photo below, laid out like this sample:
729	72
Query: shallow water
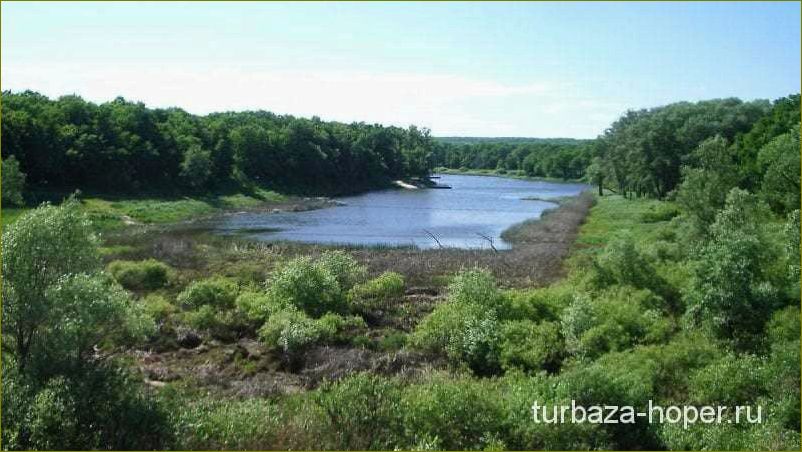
475	205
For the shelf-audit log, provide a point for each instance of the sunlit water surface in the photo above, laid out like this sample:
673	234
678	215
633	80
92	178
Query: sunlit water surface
476	206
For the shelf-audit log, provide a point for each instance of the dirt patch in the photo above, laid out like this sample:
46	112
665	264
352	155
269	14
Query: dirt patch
246	369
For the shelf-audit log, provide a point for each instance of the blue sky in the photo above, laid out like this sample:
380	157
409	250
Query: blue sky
476	69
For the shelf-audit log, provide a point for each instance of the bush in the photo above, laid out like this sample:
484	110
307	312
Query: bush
530	346
142	275
729	381
377	292
158	308
363	412
13	182
660	212
475	286
783	326
734	288
453	414
623	264
211	424
543	304
466	332
226	324
258	306
336	328
345	269
309	287
620	318
291	331
218	292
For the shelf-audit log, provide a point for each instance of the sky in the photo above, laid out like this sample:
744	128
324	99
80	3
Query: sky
527	69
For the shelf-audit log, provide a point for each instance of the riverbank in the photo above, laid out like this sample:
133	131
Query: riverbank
508	174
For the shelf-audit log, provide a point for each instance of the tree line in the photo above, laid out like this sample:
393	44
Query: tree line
560	158
123	146
649	152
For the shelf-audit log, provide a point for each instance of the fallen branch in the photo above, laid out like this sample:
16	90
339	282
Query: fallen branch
435	238
490	240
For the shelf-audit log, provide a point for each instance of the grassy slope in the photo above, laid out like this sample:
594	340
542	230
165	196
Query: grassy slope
109	212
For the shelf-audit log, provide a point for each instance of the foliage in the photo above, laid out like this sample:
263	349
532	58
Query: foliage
345	269
733	287
309	286
57	308
196	167
563	160
216	291
291	331
466	332
531	346
378	291
455	414
619	318
622	263
705	185
143	275
258	306
779	163
13	183
123	146
729	381
644	150
363	412
475	287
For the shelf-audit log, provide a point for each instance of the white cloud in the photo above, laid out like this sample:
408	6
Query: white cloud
448	104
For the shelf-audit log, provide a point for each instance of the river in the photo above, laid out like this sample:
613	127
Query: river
459	217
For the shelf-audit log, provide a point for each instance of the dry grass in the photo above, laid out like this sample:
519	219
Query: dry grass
539	247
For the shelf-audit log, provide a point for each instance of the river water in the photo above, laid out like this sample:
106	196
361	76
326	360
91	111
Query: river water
475	206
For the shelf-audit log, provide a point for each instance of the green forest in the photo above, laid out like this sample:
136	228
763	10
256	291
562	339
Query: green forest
680	284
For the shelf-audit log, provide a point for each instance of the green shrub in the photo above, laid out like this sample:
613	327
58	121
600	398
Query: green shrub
517	393
142	275
783	383
336	328
530	346
466	332
258	306
363	412
309	287
13	182
621	318
453	414
378	291
216	291
734	287
660	212
537	305
291	331
729	381
237	424
345	269
783	326
393	341
622	263
203	318
158	308
728	435
226	324
475	286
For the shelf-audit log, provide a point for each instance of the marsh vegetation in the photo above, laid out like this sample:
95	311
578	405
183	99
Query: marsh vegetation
125	328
